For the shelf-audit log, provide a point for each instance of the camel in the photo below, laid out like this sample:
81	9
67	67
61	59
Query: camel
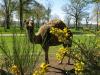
44	37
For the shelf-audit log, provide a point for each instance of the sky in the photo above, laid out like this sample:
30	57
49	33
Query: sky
56	6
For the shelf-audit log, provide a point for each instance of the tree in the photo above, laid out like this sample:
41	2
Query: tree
28	8
87	18
97	10
39	12
7	7
21	13
23	8
48	13
48	9
76	10
68	19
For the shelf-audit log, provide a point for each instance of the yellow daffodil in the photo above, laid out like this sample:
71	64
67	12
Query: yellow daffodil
14	70
61	34
79	66
42	69
61	53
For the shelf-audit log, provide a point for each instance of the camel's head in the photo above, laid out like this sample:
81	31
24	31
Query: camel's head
29	24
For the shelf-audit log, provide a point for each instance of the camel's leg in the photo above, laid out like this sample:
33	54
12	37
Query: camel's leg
69	59
46	55
62	59
63	55
67	43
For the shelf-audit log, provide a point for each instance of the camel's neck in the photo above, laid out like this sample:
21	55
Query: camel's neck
32	37
30	34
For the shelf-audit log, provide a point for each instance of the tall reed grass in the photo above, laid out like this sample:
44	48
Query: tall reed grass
20	53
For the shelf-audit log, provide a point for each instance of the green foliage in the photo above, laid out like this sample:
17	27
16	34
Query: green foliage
89	51
96	1
87	43
98	32
86	55
21	54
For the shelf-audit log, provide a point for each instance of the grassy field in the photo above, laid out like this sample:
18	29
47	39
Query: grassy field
10	41
17	30
21	39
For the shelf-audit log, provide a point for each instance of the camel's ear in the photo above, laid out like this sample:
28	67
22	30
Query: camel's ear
26	22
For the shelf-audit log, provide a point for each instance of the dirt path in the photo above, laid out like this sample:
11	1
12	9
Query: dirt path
54	64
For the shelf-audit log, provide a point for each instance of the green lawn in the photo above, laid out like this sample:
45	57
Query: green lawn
21	43
11	30
17	30
21	40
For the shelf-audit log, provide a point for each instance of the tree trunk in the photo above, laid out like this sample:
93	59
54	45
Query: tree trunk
7	16
7	21
21	15
76	24
76	20
97	16
87	24
31	34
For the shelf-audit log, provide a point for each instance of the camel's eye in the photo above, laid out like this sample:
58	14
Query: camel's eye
27	22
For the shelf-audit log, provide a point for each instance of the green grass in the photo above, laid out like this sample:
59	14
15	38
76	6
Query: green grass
11	30
82	31
17	30
14	29
9	42
53	49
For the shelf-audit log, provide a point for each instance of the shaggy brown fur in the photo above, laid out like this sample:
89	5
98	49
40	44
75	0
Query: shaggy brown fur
44	37
53	23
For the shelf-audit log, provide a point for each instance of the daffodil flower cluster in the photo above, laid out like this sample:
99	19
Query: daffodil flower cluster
79	66
61	34
42	69
14	70
61	53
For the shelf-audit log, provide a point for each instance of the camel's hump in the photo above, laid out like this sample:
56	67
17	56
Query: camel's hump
56	23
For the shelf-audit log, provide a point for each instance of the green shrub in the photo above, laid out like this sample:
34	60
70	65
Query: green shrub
21	56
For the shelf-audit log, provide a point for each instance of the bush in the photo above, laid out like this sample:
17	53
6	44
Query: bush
86	55
20	58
